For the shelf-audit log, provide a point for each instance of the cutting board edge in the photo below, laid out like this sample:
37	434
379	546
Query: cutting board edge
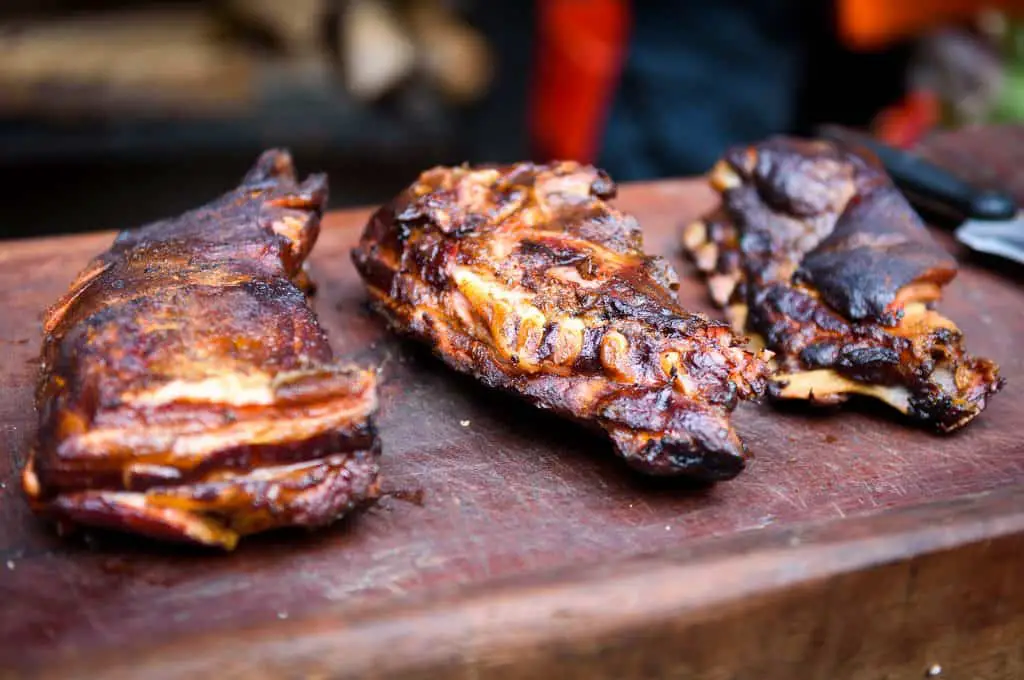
521	626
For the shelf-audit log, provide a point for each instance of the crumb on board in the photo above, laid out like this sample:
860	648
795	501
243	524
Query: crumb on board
464	423
934	671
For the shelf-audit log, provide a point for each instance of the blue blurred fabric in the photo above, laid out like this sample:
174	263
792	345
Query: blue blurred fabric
700	76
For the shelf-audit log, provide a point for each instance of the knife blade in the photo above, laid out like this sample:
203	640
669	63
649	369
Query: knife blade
1003	238
988	221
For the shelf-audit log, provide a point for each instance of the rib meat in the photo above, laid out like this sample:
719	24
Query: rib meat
817	255
187	390
524	277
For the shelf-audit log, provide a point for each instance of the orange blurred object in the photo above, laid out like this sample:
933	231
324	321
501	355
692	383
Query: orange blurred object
906	123
581	45
873	24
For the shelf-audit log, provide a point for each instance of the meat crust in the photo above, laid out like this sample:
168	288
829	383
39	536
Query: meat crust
187	390
818	256
526	278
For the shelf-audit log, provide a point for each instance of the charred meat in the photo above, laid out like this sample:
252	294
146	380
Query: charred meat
187	390
815	254
526	278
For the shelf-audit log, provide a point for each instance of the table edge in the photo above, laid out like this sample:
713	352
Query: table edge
548	610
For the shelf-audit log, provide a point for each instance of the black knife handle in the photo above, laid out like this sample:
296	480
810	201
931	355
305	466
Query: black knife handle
926	184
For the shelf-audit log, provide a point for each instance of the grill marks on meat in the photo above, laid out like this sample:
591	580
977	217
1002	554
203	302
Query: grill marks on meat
524	277
817	255
187	390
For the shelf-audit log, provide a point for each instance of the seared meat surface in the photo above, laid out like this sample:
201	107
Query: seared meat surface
187	390
817	255
526	278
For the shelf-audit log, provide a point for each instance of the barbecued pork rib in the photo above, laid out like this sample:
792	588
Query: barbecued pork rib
187	390
524	277
815	254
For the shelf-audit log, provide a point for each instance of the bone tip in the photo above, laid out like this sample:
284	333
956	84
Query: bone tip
736	315
695	234
228	541
721	287
723	178
706	257
29	479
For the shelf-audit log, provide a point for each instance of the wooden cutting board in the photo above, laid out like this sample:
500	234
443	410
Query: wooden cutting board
852	547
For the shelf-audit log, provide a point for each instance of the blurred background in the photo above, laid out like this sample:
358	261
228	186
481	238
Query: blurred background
116	113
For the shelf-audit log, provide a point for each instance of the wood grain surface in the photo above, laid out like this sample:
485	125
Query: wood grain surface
852	547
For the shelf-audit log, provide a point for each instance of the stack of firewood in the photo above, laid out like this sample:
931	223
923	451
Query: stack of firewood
214	56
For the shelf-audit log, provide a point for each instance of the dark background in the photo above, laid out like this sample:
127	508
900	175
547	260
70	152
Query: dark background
108	171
